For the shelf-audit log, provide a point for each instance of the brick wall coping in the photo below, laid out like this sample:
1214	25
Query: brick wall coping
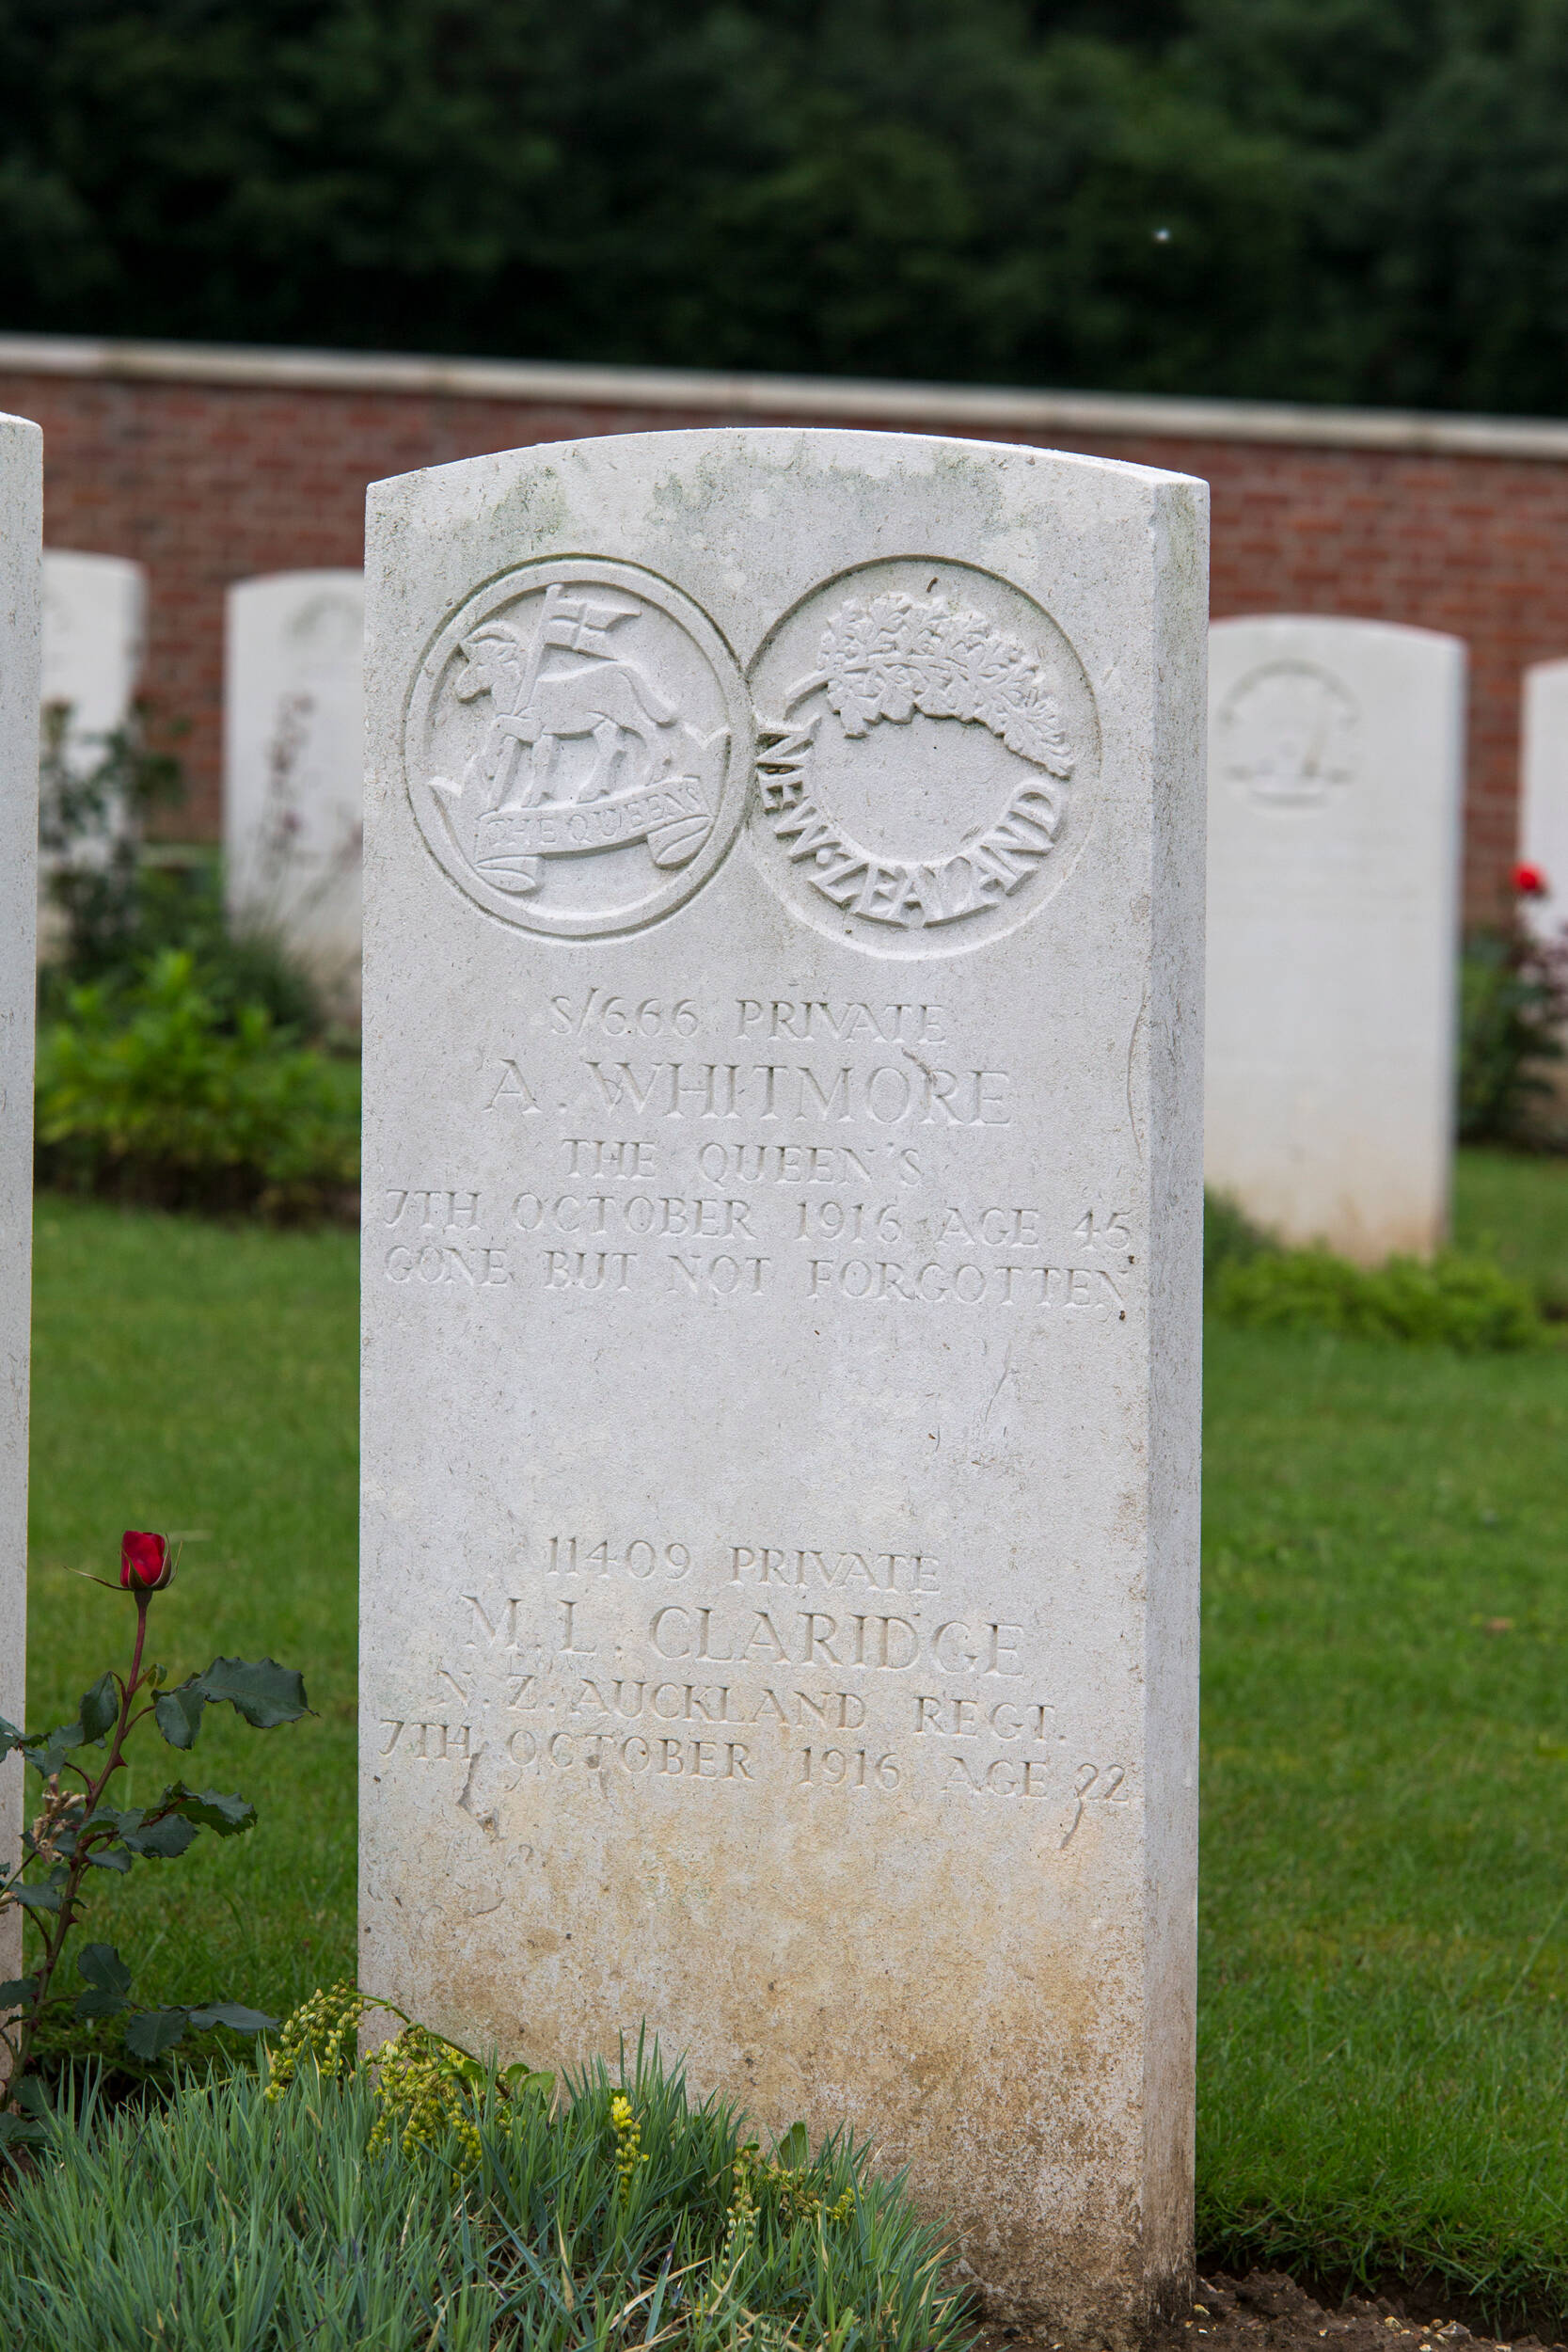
911	405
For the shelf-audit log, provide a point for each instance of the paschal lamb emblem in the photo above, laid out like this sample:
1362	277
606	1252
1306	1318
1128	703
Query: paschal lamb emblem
580	751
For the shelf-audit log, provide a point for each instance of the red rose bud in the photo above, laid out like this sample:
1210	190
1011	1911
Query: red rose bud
145	1565
1529	882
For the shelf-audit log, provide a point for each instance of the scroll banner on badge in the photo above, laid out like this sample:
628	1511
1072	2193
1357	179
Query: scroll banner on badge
671	818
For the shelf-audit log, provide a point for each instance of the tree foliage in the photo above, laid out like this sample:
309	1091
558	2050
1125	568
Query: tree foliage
1349	200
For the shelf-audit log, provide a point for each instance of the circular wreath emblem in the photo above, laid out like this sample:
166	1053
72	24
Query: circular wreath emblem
928	746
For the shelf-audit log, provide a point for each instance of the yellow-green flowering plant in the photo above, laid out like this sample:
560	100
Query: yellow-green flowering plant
425	2086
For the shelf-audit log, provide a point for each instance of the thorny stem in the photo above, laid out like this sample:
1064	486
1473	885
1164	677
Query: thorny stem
68	1915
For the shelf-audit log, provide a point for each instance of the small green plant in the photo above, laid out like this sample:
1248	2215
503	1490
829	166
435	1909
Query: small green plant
424	2097
628	2141
426	2085
119	904
1458	1299
1229	1237
232	2217
95	796
79	1830
152	1094
179	904
324	2031
789	2179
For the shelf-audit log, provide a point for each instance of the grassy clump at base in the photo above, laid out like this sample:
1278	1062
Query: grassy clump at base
1451	1301
1462	1298
226	2219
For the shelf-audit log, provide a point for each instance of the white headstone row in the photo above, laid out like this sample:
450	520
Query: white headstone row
293	763
292	754
1543	798
1335	770
20	526
293	733
94	639
782	1282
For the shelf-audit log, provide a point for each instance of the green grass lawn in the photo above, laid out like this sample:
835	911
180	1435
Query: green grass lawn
192	1375
1383	2017
1516	1209
1384	2025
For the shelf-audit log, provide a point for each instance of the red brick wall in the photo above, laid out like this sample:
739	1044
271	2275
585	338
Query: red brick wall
208	483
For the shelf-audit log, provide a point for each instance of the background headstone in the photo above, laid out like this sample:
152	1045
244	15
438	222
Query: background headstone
294	762
1335	782
780	1300
21	521
94	634
94	638
1544	795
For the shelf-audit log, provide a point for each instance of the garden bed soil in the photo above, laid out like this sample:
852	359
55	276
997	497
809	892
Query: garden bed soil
1267	2312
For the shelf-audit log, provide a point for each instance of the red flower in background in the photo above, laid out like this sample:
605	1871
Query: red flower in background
145	1566
1529	882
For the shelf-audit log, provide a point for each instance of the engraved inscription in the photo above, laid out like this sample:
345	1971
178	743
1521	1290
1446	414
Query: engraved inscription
831	1672
712	1153
577	749
818	1018
926	743
623	1016
1287	734
610	1231
1077	1290
887	1093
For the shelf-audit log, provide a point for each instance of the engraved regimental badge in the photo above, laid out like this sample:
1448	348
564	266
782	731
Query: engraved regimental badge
577	748
1287	734
928	754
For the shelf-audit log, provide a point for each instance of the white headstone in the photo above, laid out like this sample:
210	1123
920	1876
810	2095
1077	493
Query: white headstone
21	521
1544	797
294	761
784	879
1336	759
94	634
94	637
